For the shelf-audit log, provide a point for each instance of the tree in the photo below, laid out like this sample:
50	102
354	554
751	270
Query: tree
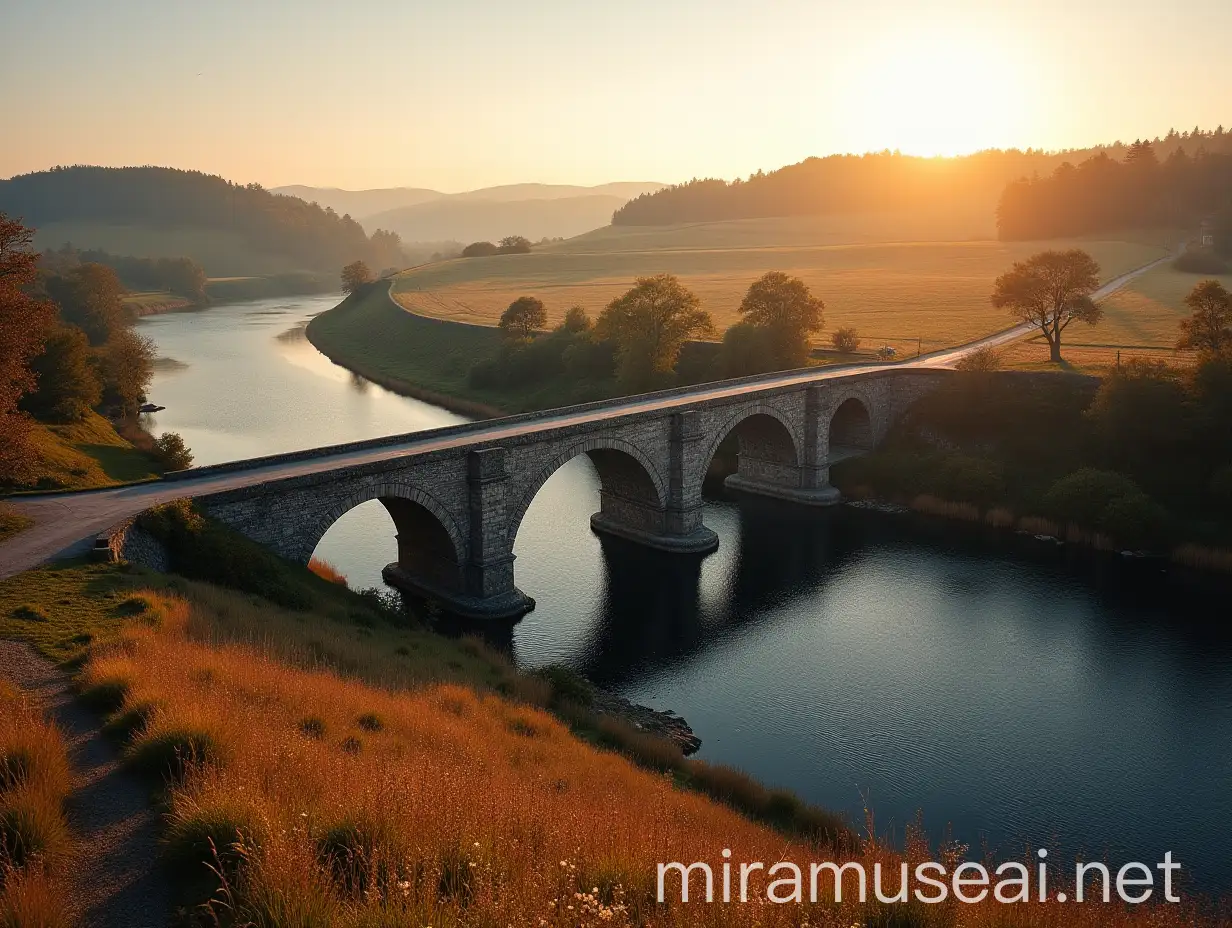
91	297
170	452
789	313
1210	326
68	385
1050	290
846	340
576	321
24	322
126	364
523	318
514	245
354	276
649	324
479	250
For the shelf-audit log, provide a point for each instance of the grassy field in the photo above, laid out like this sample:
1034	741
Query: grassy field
158	301
893	293
220	252
84	455
344	771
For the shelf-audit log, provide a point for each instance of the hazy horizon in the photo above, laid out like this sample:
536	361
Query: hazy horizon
471	95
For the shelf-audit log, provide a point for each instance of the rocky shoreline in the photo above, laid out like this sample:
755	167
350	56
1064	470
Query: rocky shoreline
666	724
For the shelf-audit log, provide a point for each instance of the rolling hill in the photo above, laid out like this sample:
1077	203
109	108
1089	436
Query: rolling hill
533	210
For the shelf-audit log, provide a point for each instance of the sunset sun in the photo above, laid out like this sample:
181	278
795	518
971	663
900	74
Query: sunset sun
937	94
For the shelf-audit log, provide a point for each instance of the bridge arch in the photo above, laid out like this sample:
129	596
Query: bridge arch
766	436
851	426
632	489
431	544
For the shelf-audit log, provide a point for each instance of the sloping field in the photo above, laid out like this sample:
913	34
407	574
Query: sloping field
1149	310
934	291
220	252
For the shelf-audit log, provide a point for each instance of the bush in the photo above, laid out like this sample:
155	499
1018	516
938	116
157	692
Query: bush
1134	520
1201	261
1083	496
167	756
479	250
845	340
981	361
201	549
747	349
963	478
567	685
171	453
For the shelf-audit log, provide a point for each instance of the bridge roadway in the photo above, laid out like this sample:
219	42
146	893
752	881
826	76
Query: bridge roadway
66	524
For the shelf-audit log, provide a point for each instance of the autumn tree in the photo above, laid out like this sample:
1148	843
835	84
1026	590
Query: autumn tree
24	322
525	316
1210	326
514	245
576	321
91	297
788	312
649	324
354	276
126	364
68	385
1049	291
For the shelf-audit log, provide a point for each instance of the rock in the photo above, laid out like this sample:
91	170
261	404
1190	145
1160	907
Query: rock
666	724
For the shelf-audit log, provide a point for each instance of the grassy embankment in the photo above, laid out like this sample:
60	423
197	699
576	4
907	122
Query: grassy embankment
84	455
342	770
35	845
921	294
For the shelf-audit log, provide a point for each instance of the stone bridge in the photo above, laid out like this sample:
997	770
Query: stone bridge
457	495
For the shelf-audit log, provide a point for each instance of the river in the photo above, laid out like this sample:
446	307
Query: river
860	660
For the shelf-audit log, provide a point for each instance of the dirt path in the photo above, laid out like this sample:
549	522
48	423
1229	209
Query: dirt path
115	882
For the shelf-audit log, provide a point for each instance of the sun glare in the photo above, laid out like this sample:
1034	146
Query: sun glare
937	94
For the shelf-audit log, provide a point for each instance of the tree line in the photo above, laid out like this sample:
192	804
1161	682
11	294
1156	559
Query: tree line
886	180
181	276
68	348
1100	194
317	237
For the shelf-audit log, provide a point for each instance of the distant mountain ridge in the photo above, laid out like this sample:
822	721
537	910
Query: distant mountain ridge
533	210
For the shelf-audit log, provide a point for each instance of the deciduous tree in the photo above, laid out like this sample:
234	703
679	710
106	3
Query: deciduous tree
91	297
68	385
1210	326
1049	291
355	275
523	318
789	313
126	364
24	322
648	325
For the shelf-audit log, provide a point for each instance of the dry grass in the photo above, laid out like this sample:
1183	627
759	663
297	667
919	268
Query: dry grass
1036	525
888	292
999	517
931	505
1204	558
1083	357
35	780
457	809
327	571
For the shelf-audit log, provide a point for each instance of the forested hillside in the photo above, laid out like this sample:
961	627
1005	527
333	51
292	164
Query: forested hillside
306	235
1180	186
884	181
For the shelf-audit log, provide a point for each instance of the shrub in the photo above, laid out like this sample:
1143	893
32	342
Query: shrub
960	477
1201	261
567	685
167	756
313	726
981	361
1134	520
128	723
1083	496
370	721
479	250
170	452
106	694
209	838
845	340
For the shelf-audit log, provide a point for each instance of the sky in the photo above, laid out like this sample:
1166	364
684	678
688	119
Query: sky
460	94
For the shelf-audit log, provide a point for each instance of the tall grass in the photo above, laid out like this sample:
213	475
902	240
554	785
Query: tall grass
35	780
327	571
1203	558
440	805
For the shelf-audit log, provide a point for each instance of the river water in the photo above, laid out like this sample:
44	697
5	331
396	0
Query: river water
860	660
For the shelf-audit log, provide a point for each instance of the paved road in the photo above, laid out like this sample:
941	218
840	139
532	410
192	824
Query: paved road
66	524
